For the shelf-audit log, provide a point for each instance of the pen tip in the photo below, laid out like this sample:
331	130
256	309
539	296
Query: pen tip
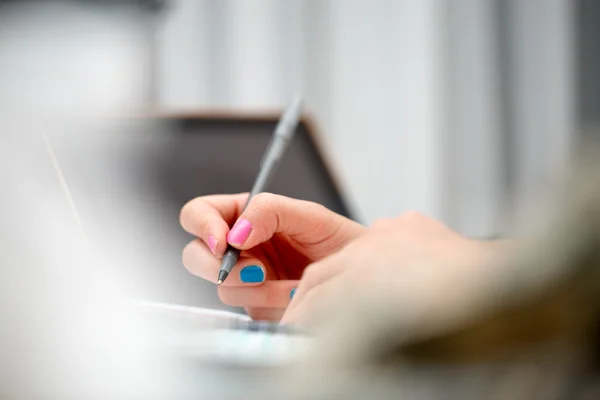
219	282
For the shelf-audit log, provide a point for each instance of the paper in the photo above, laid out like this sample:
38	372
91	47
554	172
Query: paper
194	317
218	336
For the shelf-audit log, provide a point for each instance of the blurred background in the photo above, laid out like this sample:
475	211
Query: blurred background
456	109
459	109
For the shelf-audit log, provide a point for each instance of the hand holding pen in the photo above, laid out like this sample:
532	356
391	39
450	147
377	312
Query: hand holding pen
277	237
410	257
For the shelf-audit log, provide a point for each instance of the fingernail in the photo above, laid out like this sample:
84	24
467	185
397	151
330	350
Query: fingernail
240	232
252	274
212	244
292	293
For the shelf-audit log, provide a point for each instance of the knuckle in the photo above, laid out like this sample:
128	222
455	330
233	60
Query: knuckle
314	209
265	209
321	217
264	200
189	216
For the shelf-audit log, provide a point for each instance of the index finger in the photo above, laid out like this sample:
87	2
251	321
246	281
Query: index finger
209	218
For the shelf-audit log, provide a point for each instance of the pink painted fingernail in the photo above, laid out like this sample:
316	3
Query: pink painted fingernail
240	232
212	244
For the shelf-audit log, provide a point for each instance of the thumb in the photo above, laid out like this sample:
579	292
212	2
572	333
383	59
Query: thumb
303	221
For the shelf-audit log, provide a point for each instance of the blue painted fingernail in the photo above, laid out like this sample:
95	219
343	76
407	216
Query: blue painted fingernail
292	293
252	274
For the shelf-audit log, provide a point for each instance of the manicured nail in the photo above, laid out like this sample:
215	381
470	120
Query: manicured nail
240	232
252	274
212	244
292	293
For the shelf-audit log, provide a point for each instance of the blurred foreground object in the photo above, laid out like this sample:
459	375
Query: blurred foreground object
523	327
65	332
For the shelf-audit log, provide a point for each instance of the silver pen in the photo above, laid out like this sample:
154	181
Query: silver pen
284	132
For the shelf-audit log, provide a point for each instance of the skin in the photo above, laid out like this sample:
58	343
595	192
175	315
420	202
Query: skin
411	260
287	235
304	246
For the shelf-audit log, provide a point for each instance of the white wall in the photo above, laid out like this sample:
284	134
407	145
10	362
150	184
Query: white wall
421	106
369	71
386	97
543	87
473	174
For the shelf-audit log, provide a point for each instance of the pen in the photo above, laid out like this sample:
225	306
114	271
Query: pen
284	132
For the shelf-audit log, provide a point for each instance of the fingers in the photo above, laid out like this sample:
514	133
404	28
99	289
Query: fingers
271	294
209	218
305	222
309	227
199	260
249	273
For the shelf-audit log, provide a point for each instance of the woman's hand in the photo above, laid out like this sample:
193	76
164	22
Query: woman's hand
410	259
278	236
